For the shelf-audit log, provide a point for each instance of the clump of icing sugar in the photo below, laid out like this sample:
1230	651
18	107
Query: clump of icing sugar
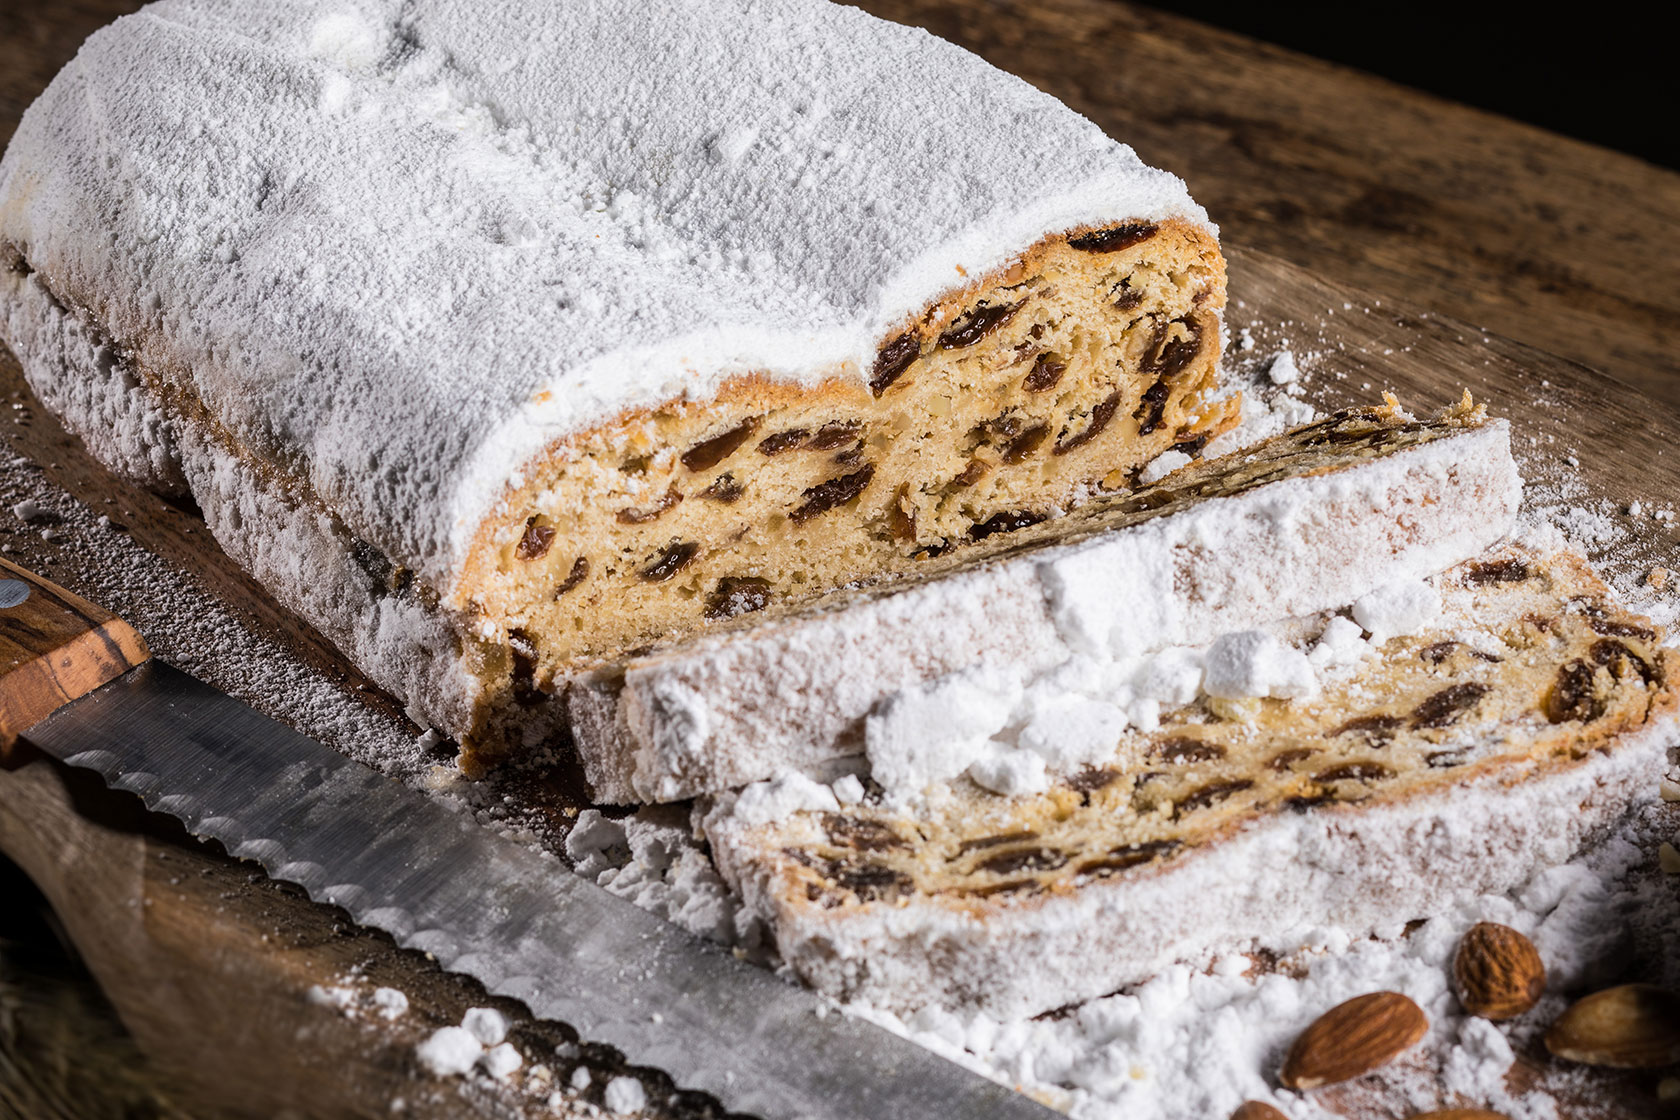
1253	663
1399	608
928	734
1163	465
624	1094
450	1052
652	859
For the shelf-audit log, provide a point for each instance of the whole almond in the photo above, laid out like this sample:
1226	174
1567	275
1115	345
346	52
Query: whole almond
1257	1110
1497	972
1635	1026
1353	1038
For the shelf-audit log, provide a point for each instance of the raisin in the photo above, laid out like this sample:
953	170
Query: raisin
1602	623
735	595
1127	856
872	881
522	648
1152	409
1191	445
1375	730
1115	238
669	562
1181	751
724	488
1100	417
1574	695
1026	443
1618	658
1012	886
784	441
1045	375
860	833
825	496
707	454
1302	802
1211	794
1089	781
837	434
1126	299
1283	760
1447	705
534	542
982	843
579	573
901	515
1003	523
894	358
642	516
378	567
1354	772
1023	859
1438	652
977	324
1171	355
1004	425
974	472
1496	571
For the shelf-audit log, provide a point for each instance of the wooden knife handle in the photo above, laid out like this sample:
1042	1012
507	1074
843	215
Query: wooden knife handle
54	648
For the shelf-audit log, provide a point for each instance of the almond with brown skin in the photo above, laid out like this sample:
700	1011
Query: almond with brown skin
1353	1038
1497	972
1257	1110
1635	1026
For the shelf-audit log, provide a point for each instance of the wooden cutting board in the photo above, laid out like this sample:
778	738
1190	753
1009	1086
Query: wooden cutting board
226	944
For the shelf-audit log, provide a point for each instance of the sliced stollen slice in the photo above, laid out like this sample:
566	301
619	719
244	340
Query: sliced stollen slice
1452	762
1299	523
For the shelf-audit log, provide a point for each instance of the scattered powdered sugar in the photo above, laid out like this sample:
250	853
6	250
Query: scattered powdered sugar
1197	1042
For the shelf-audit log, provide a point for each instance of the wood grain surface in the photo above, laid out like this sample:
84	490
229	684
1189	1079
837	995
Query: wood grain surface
1356	178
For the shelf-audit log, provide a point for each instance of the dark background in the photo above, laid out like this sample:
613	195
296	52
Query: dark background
1596	73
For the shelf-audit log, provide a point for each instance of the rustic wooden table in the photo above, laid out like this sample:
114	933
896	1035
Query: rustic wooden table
1566	247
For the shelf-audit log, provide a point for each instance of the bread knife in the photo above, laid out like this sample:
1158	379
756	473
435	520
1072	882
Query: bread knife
79	684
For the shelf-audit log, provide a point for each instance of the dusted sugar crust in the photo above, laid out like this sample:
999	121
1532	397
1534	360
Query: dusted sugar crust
1543	705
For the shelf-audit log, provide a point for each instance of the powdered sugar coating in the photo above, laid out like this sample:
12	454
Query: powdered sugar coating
417	242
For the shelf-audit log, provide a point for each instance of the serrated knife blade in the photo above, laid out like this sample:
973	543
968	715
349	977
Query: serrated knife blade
515	918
